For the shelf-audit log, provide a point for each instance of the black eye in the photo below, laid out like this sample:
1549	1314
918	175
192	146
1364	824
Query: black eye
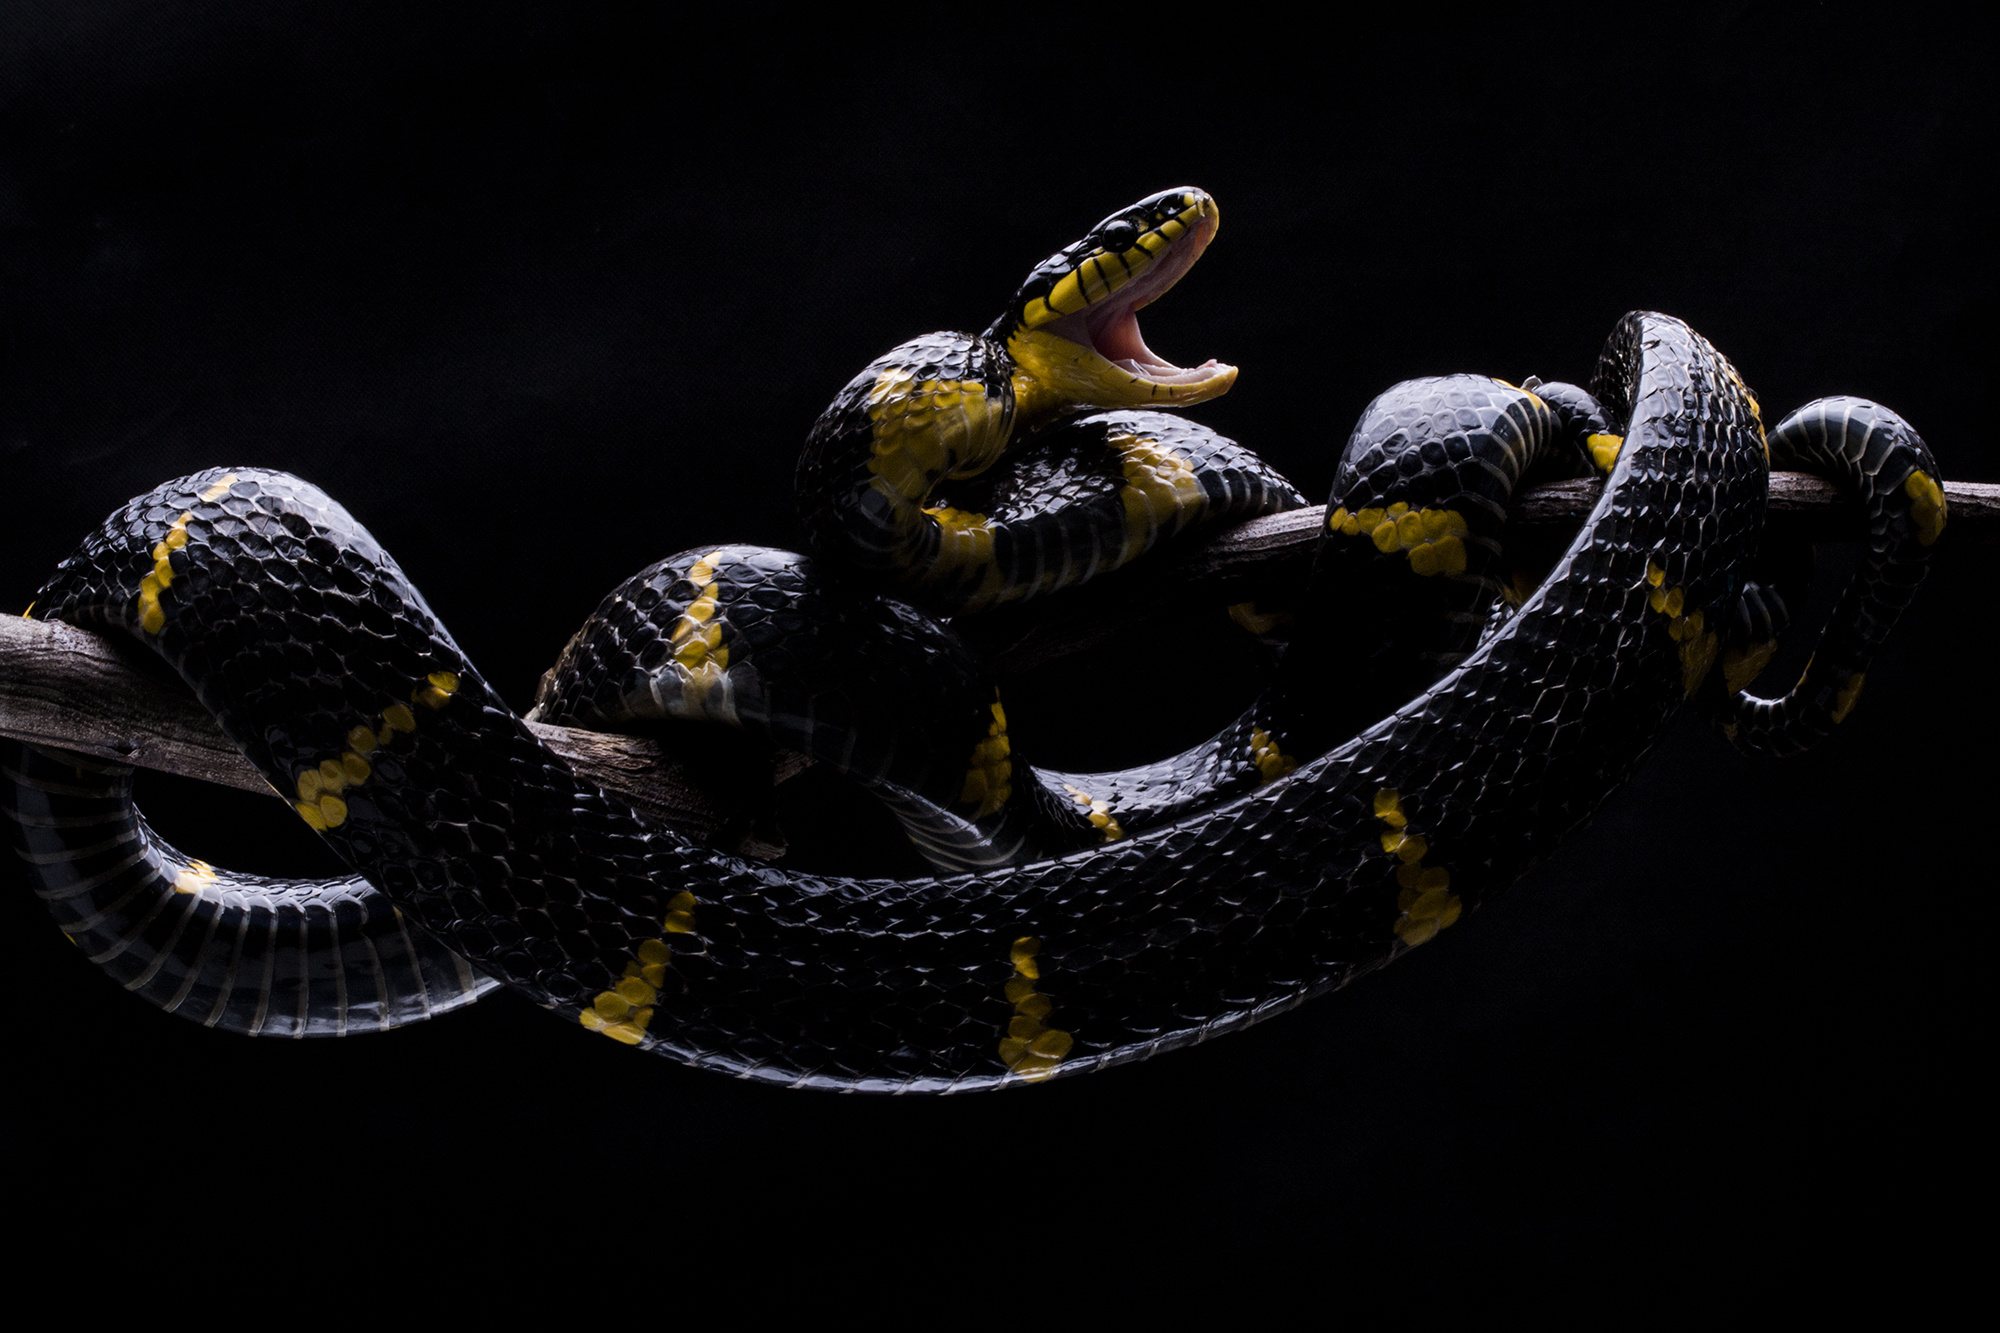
1119	235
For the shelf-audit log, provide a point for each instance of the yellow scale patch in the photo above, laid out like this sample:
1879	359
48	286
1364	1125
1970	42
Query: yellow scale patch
1434	539
152	617
927	430
1424	901
1686	628
624	1012
1756	409
1271	760
1100	814
1847	696
197	876
1740	666
1927	507
1161	492
1604	450
1102	273
989	779
965	539
1031	1048
320	785
1249	617
700	656
1518	589
924	432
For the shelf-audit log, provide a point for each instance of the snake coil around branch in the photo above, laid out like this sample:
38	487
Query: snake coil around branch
1444	709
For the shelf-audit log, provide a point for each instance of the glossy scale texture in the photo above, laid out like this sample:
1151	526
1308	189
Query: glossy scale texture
303	638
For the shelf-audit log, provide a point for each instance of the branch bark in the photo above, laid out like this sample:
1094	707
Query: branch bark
74	690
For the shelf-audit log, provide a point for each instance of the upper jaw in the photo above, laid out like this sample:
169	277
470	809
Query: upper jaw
1110	328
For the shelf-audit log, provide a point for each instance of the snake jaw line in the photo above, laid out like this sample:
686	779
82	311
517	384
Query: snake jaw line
1075	323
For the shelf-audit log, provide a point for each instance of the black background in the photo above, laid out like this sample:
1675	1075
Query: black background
543	297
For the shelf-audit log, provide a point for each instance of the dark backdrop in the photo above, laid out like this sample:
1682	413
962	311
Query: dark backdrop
543	298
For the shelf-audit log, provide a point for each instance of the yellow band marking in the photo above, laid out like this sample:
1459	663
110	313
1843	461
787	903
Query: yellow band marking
1268	755
152	616
1844	698
989	775
700	659
624	1012
1519	588
437	689
319	786
1604	450
965	541
1425	903
1100	814
1744	389
1031	1048
1927	507
1250	618
1096	285
1434	539
927	430
196	876
1101	272
1740	666
1161	494
1067	297
1688	628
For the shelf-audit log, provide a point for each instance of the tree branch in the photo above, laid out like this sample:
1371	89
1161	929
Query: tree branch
68	688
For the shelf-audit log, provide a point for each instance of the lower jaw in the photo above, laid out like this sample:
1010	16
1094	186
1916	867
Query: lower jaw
1081	377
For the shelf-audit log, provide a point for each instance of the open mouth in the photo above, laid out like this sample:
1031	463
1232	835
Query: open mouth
1110	326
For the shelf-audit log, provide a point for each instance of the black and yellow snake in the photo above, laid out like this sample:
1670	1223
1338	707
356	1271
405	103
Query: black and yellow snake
1438	722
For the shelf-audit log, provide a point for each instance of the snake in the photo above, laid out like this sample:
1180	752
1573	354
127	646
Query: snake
1440	716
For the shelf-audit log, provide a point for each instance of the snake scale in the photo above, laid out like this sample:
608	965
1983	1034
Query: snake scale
1438	720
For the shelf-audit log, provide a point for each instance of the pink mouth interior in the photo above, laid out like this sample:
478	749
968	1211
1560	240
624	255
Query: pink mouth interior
1111	328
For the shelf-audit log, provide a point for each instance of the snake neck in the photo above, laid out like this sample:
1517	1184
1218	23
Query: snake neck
936	408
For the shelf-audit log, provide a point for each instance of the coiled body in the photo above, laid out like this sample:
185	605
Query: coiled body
265	957
1305	854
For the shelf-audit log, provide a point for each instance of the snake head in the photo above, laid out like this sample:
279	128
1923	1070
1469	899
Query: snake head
1073	329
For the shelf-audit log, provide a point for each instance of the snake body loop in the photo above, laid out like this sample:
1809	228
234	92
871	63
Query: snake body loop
1112	916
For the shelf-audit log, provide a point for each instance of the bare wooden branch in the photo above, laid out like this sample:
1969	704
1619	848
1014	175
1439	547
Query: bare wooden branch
65	687
1269	558
74	690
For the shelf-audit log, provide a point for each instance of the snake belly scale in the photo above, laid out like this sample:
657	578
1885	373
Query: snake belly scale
1077	920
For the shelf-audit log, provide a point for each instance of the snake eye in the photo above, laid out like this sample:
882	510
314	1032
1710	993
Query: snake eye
1119	235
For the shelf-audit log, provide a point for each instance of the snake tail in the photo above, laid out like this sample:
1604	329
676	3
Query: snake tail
1441	718
243	953
1878	460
